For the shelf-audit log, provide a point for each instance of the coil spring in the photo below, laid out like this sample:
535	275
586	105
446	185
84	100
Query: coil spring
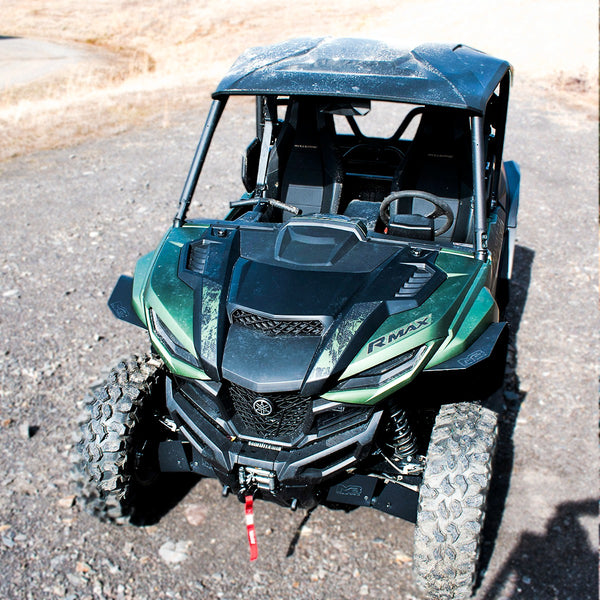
403	439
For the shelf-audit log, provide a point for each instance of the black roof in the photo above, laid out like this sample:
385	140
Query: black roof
436	74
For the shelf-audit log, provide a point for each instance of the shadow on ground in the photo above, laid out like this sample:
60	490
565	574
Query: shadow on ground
530	572
508	402
171	489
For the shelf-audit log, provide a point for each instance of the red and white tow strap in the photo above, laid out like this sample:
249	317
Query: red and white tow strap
250	528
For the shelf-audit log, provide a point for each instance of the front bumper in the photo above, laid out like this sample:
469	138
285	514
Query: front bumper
331	439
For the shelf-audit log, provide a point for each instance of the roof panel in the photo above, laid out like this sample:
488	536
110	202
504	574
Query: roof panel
437	74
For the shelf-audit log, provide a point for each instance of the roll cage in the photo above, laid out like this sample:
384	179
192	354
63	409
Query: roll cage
299	160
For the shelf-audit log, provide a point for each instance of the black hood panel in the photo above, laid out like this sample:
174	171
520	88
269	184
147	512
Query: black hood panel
279	290
262	271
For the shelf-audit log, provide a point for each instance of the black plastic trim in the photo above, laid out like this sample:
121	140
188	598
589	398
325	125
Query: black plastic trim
481	349
293	466
120	302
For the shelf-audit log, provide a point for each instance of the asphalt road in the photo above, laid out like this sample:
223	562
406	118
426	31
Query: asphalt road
73	220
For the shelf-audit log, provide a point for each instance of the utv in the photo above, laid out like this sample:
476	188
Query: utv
334	338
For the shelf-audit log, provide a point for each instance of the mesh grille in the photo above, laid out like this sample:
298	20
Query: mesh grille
286	419
276	326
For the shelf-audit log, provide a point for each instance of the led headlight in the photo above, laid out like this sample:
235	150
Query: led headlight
168	339
384	372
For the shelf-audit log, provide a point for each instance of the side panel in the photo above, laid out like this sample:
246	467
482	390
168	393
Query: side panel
171	299
453	318
140	277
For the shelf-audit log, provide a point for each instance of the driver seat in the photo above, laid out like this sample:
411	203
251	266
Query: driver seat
439	162
305	164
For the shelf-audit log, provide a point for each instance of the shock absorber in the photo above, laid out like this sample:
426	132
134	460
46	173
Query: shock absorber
403	440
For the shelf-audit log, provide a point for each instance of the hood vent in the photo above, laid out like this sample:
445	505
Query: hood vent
276	327
416	282
197	256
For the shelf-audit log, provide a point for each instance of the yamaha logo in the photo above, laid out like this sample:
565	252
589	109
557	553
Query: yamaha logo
262	407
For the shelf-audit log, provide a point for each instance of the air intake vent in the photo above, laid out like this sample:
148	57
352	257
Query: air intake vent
197	256
276	326
415	283
269	416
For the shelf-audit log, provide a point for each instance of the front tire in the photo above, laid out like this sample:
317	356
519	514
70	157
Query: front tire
116	455
452	500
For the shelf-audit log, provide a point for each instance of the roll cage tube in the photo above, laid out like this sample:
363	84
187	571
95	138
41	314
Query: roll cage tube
477	143
214	114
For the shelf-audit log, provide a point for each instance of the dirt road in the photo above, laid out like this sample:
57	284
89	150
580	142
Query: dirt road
75	219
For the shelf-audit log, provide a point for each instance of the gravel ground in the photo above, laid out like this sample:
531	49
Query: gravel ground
74	219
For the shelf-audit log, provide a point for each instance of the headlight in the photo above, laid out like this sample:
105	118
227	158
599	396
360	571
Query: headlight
383	373
168	339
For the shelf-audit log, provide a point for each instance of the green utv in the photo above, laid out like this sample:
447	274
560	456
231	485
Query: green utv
334	338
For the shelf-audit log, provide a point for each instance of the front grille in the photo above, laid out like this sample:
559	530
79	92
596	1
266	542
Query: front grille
276	326
270	416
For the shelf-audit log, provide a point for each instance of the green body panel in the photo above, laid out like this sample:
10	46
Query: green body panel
481	312
454	316
157	286
140	276
444	325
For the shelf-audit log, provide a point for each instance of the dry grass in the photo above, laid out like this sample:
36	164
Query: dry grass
149	60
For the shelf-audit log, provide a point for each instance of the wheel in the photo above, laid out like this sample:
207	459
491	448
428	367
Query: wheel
452	500
117	454
442	208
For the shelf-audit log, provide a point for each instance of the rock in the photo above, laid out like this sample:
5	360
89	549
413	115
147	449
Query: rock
364	590
195	514
76	580
174	552
128	548
82	567
27	431
401	558
11	294
112	568
67	501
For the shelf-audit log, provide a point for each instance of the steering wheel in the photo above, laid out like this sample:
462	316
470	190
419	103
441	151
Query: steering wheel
442	208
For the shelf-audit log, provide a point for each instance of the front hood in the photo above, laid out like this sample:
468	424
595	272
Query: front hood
281	308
